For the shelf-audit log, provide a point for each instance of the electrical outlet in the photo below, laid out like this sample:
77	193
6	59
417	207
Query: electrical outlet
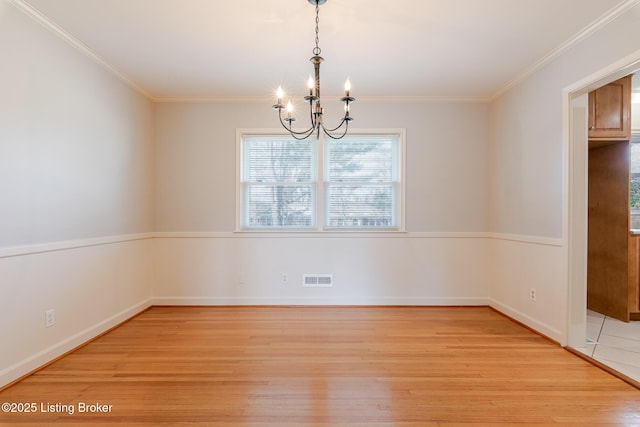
532	294
285	278
49	318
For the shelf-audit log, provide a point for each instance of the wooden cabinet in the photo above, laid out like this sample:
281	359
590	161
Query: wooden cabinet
608	239
610	111
613	253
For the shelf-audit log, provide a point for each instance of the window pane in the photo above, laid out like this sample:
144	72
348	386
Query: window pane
634	193
362	182
278	183
361	205
278	160
362	159
279	206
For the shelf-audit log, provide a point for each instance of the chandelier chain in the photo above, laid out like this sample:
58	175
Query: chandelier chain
317	50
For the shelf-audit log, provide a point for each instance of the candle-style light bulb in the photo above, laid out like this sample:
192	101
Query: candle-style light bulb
311	84
289	109
279	94
347	87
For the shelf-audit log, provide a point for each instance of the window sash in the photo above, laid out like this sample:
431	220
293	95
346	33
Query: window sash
279	184
272	206
362	182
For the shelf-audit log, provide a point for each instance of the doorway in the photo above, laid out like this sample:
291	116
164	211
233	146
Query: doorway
575	223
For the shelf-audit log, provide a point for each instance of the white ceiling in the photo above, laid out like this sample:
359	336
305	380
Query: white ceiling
399	48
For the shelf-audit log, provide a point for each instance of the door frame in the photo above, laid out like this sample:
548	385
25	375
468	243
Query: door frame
575	190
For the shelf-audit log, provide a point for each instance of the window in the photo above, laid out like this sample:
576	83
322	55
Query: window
354	185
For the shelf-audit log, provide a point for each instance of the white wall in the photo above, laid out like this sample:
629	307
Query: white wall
527	184
76	189
201	260
399	270
75	142
447	161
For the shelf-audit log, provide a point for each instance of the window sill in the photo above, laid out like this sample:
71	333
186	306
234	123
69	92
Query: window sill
331	233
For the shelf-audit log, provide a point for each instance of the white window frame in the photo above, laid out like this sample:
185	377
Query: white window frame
635	140
320	190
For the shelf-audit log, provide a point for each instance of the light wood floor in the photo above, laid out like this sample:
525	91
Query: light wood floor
325	366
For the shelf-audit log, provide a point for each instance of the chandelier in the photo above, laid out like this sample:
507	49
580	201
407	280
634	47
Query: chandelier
315	107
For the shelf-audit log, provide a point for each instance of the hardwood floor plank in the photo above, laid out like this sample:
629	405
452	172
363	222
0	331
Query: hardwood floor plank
323	366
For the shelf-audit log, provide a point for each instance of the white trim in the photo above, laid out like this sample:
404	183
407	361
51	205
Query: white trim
45	356
612	72
535	240
61	33
38	248
448	235
590	29
318	235
69	244
402	221
280	131
575	196
238	179
361	99
338	300
525	319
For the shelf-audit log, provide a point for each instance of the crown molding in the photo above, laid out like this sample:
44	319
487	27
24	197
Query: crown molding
212	99
61	33
583	34
361	99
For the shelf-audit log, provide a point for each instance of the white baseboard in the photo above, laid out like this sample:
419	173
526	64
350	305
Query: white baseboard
527	320
358	300
45	356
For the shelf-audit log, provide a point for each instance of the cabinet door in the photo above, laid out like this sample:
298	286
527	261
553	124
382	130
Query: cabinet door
610	111
608	238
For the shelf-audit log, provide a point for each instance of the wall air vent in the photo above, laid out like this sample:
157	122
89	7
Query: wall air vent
317	280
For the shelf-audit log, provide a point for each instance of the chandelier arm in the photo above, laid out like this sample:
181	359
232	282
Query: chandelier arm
342	122
346	129
302	138
293	132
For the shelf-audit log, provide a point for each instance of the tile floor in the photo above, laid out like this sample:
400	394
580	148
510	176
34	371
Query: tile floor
614	343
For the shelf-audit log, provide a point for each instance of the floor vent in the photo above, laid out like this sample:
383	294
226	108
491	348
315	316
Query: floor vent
317	280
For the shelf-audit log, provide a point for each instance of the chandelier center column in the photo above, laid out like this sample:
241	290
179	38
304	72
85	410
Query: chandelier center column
317	112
